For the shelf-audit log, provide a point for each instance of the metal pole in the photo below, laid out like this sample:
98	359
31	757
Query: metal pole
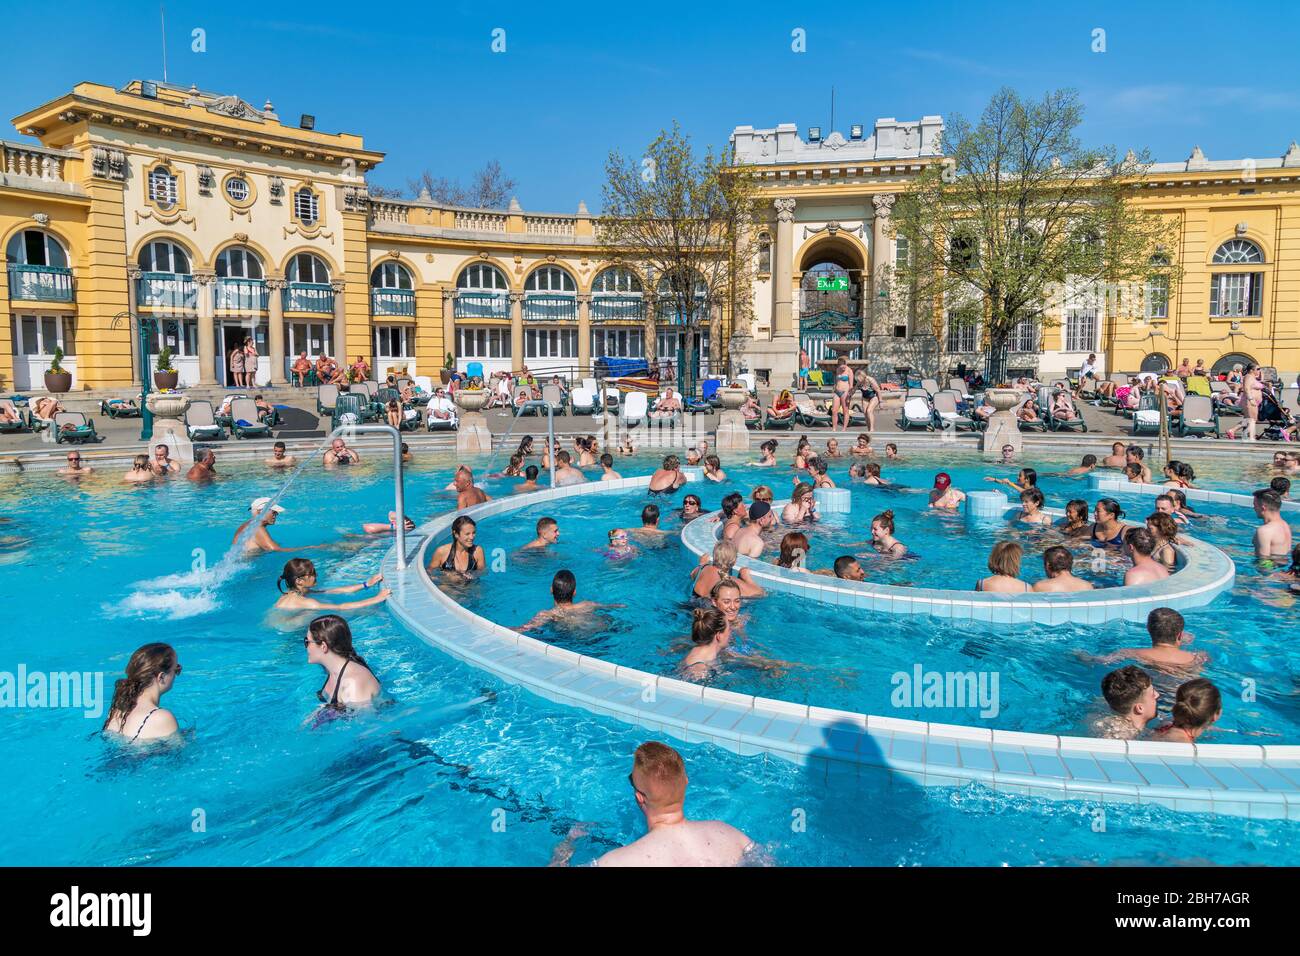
399	496
146	326
550	437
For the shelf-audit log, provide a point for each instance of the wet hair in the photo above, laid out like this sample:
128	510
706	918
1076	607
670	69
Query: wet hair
1280	485
731	502
295	569
801	489
607	460
1268	499
687	499
872	469
762	493
864	438
1076	508
1135	451
662	766
1033	494
1057	559
1133	470
1089	461
531	472
889	445
142	669
1166	497
1124	687
857	470
1180	499
650	514
279	445
1005	559
460	523
769	445
564	586
544	523
1140	540
1164	624
563	457
333	632
1196	704
794	547
672	463
1295	560
706	624
724	557
525	445
1030	476
722	585
886	520
1165	526
843	563
713	462
1112	507
140	463
816	465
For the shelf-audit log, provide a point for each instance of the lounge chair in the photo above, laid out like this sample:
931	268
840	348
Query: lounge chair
946	415
959	386
931	385
582	401
635	410
917	412
771	422
709	392
349	409
119	408
1147	416
245	422
22	422
435	424
806	413
1199	417
424	384
201	424
1289	399
326	396
1056	423
73	426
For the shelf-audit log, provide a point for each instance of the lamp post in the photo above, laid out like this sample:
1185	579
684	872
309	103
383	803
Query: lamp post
146	327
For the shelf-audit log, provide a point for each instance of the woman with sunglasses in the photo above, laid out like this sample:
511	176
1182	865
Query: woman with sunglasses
349	684
135	713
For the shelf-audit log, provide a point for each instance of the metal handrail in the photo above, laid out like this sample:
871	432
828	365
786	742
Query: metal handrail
399	496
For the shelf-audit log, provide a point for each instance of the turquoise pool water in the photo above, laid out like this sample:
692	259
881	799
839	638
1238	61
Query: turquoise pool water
459	769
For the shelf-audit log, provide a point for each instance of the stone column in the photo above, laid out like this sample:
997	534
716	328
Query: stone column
133	327
448	326
340	325
516	331
783	270
584	332
275	334
880	249
207	327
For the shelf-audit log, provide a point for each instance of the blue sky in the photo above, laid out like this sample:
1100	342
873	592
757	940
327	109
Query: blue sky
420	80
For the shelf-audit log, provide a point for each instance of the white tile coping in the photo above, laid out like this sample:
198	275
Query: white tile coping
810	735
1124	486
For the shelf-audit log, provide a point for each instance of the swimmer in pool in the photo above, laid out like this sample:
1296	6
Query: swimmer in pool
460	555
1075	524
669	477
1141	545
1088	464
1058	565
619	545
863	446
467	493
548	533
1116	457
891	452
375	527
1031	507
140	471
74	467
136	713
749	539
692	508
607	472
261	539
846	566
339	453
1025	478
280	458
945	497
719	567
297	582
1197	707
768	457
563	588
1133	454
530	481
649	530
802	506
1004	563
711	636
349	685
882	536
1132	699
1273	536
733	512
1166	629
713	469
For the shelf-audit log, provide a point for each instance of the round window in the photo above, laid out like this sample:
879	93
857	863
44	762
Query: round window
237	189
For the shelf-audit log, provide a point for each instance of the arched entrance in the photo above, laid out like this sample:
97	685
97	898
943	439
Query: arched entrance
1155	362
830	296
1225	363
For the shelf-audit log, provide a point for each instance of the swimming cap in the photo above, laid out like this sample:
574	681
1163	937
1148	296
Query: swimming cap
758	510
942	480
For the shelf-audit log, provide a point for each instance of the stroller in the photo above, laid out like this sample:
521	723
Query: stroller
1274	417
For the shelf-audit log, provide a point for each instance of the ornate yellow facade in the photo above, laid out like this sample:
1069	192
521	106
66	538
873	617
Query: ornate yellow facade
219	222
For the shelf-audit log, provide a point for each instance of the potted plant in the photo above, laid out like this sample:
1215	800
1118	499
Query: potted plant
58	379
448	367
164	374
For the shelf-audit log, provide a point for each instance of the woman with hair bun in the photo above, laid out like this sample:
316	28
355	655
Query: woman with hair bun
299	579
882	536
349	683
710	635
135	713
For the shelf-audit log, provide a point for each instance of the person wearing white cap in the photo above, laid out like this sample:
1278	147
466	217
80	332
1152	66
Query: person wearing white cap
261	539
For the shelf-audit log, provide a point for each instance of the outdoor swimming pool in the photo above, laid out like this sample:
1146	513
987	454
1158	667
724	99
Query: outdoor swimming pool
462	769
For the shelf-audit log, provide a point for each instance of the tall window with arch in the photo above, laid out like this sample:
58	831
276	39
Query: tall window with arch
166	282
392	290
37	265
549	295
164	189
481	292
239	283
1237	290
617	295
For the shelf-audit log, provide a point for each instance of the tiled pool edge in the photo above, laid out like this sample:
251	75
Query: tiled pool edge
1124	486
1207	573
1260	782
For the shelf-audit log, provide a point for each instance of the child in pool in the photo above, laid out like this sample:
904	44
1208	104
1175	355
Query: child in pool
620	548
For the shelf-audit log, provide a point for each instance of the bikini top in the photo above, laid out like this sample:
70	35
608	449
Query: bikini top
143	722
471	564
333	701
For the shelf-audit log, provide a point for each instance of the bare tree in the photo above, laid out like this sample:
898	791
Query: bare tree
489	188
1020	215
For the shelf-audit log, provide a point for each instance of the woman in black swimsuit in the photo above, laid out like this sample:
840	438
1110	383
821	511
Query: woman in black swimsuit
460	554
135	712
870	397
1106	530
349	683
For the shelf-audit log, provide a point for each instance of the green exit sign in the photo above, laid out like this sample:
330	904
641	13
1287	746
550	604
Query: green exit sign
832	283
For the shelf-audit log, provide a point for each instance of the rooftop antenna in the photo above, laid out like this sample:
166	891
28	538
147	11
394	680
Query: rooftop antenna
162	15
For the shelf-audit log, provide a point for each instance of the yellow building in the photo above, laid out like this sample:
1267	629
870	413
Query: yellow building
218	222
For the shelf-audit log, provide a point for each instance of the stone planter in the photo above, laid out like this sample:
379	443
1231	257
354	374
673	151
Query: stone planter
1003	399
58	381
167	405
472	401
167	380
732	398
1003	429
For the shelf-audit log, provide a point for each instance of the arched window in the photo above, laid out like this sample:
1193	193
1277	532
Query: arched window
764	253
1238	252
616	280
31	247
391	275
482	277
1225	363
550	279
164	256
306	267
1155	362
669	311
238	262
306	206
163	189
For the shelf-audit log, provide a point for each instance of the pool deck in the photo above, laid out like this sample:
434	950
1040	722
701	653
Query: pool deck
1259	782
